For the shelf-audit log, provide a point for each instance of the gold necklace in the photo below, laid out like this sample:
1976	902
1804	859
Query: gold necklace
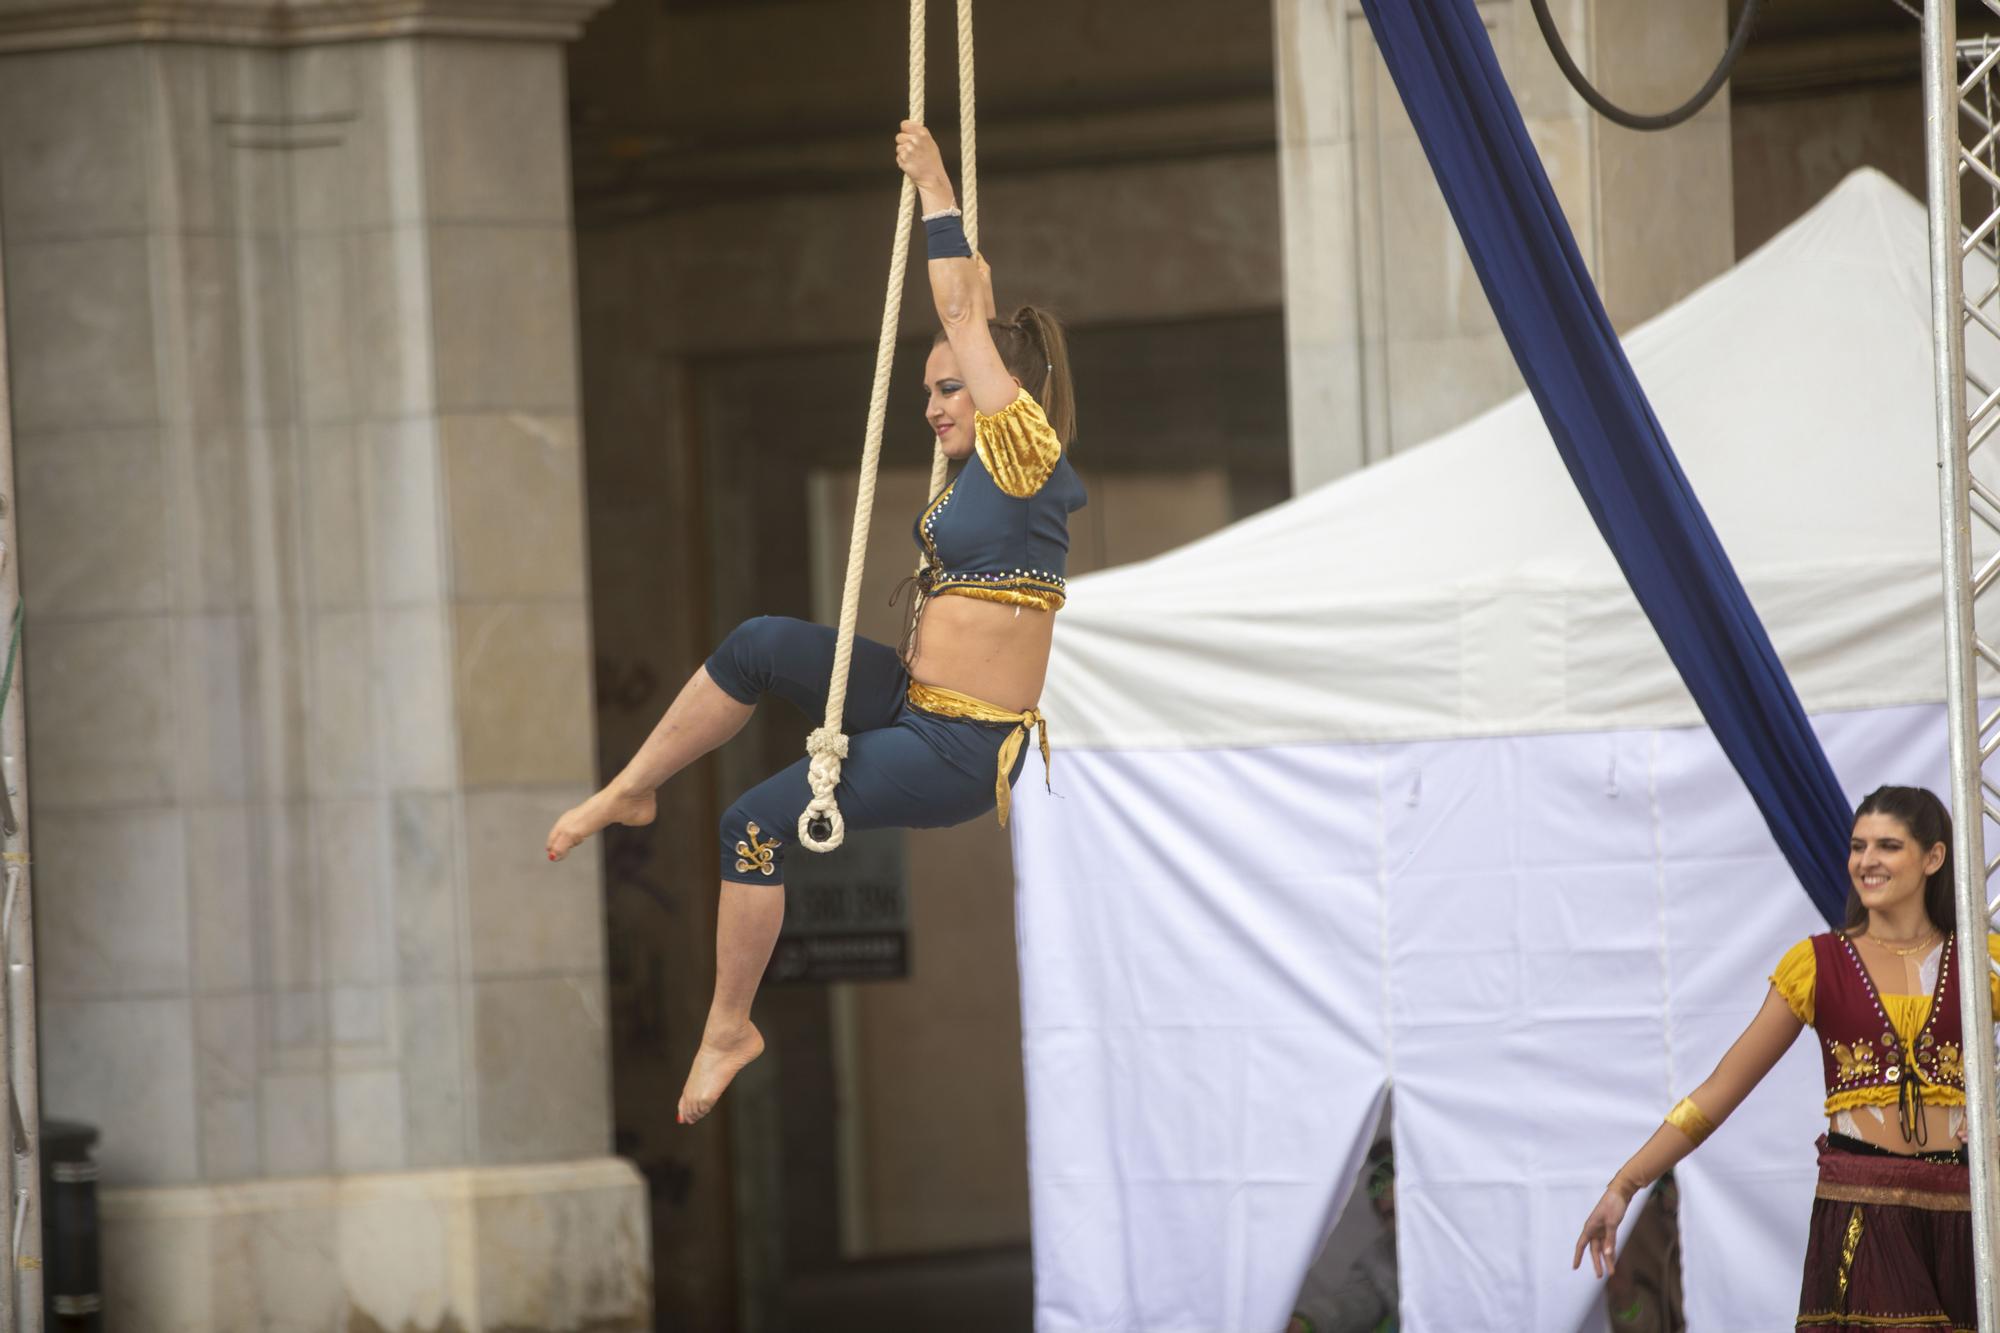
1899	949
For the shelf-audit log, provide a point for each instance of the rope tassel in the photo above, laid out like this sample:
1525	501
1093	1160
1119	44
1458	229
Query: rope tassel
820	826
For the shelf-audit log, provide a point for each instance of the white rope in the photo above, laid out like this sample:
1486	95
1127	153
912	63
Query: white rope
968	153
968	147
827	745
968	179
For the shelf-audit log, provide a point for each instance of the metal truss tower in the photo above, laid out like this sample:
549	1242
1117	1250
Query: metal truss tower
1962	173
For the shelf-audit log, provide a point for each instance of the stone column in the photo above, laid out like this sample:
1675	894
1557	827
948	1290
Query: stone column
1389	337
307	660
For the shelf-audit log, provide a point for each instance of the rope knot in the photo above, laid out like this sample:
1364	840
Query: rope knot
821	828
827	741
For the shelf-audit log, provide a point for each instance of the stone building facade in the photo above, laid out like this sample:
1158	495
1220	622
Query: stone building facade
290	291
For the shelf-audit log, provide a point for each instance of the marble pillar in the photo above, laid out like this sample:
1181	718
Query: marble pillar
307	660
1389	338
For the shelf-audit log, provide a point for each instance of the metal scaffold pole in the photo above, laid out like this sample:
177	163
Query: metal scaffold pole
20	1166
1965	298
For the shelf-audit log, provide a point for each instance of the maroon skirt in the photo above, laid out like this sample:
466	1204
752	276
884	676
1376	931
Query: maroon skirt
1891	1245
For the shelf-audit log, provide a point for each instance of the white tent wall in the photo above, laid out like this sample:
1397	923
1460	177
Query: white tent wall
1542	942
1394	782
1160	1020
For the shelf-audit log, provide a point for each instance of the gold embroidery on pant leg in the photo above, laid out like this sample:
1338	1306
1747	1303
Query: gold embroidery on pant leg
755	855
1848	1246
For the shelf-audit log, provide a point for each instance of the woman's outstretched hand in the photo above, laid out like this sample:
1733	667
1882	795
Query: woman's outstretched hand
917	154
1600	1233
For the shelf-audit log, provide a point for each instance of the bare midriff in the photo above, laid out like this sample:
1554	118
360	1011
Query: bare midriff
989	650
1938	1135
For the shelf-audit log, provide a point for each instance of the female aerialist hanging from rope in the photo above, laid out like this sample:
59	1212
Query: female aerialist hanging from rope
937	730
1890	1243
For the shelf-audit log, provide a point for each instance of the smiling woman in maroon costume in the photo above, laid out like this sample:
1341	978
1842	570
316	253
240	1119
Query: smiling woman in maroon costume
1891	1235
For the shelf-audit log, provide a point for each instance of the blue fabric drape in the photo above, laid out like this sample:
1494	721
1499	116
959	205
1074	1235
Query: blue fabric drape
1528	262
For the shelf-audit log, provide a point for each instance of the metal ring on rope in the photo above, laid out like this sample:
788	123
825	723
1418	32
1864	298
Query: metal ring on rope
1633	120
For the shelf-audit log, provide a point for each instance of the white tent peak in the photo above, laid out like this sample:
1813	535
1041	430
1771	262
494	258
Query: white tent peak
1460	587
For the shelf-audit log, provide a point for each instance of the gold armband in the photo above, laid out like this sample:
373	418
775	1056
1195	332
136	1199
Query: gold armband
1688	1119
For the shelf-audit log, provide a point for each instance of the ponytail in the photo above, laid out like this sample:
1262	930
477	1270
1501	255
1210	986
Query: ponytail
1047	366
1035	351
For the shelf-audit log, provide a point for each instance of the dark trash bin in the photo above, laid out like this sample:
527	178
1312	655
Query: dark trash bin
72	1303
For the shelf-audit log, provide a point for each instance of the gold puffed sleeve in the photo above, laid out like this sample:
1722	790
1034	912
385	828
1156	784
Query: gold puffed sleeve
1992	977
1018	445
1794	979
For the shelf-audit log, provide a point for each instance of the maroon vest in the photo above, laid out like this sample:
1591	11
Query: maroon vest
1856	1039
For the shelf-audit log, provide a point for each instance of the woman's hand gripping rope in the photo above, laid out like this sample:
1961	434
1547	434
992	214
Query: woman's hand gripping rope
917	154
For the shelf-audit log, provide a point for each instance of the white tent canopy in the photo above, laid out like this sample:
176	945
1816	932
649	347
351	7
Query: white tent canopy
1394	784
1460	589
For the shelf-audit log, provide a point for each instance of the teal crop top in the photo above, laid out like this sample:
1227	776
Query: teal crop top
1000	532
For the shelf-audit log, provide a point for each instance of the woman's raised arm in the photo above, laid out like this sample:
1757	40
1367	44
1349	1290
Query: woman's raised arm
961	284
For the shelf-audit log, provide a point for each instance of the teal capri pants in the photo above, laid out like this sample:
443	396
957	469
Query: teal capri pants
905	768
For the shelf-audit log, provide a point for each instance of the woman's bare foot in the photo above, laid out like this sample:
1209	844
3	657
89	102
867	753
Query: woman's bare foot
715	1064
609	806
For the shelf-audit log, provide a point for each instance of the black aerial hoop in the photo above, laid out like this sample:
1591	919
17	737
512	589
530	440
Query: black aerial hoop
1632	120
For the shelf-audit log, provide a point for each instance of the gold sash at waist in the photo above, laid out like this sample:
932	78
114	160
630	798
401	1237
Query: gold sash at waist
950	703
